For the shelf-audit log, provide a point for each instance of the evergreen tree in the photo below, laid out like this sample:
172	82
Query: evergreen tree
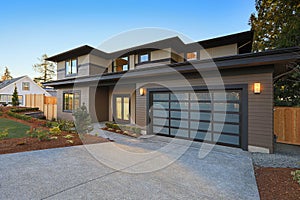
15	97
45	68
276	24
83	120
6	75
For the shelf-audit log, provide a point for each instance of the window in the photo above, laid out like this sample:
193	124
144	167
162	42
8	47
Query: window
71	67
7	99
71	101
191	56
121	64
144	57
26	86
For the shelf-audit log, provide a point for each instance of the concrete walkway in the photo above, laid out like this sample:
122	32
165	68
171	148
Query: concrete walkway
129	169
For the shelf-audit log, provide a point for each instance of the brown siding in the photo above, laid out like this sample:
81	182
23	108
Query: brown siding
260	106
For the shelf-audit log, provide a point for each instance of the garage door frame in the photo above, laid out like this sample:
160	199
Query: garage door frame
243	88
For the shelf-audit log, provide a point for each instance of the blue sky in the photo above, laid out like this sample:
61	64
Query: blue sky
33	27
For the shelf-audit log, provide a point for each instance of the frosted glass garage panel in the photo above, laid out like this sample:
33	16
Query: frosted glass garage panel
201	116
200	125
228	139
161	105
222	117
201	106
161	113
200	135
179	105
161	122
160	96
159	129
180	96
200	96
179	123
179	114
228	128
227	107
226	96
179	132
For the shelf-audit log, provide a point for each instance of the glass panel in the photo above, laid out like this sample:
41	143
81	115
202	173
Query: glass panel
230	107
228	128
3	98
179	114
227	117
119	108
179	132
159	129
161	96
200	135
179	123
201	106
74	66
200	116
144	57
9	98
160	113
162	122
76	100
179	105
68	67
201	96
200	125
25	86
227	96
229	139
126	108
180	96
191	56
20	97
161	105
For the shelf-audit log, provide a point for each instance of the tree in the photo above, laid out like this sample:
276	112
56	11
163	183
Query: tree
15	97
6	75
83	120
45	68
276	24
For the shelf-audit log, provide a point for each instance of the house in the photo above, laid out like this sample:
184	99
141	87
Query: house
214	90
24	84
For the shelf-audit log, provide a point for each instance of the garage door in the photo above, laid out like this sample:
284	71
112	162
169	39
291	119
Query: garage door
203	116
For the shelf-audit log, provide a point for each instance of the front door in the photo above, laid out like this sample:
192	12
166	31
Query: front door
122	108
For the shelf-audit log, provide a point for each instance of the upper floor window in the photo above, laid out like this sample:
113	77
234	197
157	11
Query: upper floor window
191	56
71	67
25	86
121	64
144	57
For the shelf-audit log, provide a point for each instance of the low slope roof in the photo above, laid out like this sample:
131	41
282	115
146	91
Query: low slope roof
11	81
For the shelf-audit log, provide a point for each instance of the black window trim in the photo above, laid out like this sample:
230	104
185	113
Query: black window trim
145	53
73	74
70	92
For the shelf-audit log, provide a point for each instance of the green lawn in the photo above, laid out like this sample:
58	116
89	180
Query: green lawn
15	129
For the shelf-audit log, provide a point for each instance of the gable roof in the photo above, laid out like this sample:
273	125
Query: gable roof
8	82
174	42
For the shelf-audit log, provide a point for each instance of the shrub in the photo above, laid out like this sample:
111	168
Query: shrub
65	125
4	134
17	110
115	126
296	176
68	136
108	124
39	133
83	120
55	131
137	130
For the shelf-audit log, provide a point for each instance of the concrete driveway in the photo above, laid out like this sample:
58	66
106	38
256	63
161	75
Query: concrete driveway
82	172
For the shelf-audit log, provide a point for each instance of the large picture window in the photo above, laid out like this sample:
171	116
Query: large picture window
121	64
71	101
71	67
6	99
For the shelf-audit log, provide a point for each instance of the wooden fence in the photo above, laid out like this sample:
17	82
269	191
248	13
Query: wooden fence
46	104
287	125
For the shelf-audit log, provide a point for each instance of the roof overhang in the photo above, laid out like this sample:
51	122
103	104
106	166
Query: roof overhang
278	57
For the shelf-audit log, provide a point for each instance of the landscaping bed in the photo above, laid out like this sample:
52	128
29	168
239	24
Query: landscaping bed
14	145
276	183
128	130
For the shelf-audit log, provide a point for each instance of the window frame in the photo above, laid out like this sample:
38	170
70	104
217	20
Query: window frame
72	74
23	86
141	54
114	62
73	104
197	55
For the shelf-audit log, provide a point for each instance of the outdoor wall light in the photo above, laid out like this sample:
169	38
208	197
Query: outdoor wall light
257	88
142	91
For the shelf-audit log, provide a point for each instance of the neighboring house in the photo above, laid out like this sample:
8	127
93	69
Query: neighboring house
135	86
25	85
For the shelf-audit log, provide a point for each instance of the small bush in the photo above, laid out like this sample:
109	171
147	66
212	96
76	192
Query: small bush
83	120
18	110
116	127
39	133
65	125
68	136
296	176
55	131
4	134
108	124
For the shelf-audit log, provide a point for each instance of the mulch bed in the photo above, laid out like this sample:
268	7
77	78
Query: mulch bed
276	183
14	145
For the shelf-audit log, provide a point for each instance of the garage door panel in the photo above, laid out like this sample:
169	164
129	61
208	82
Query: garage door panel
200	116
197	125
161	121
227	139
201	106
161	96
225	117
180	114
179	132
231	107
161	105
160	129
200	135
179	105
179	123
160	113
227	128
